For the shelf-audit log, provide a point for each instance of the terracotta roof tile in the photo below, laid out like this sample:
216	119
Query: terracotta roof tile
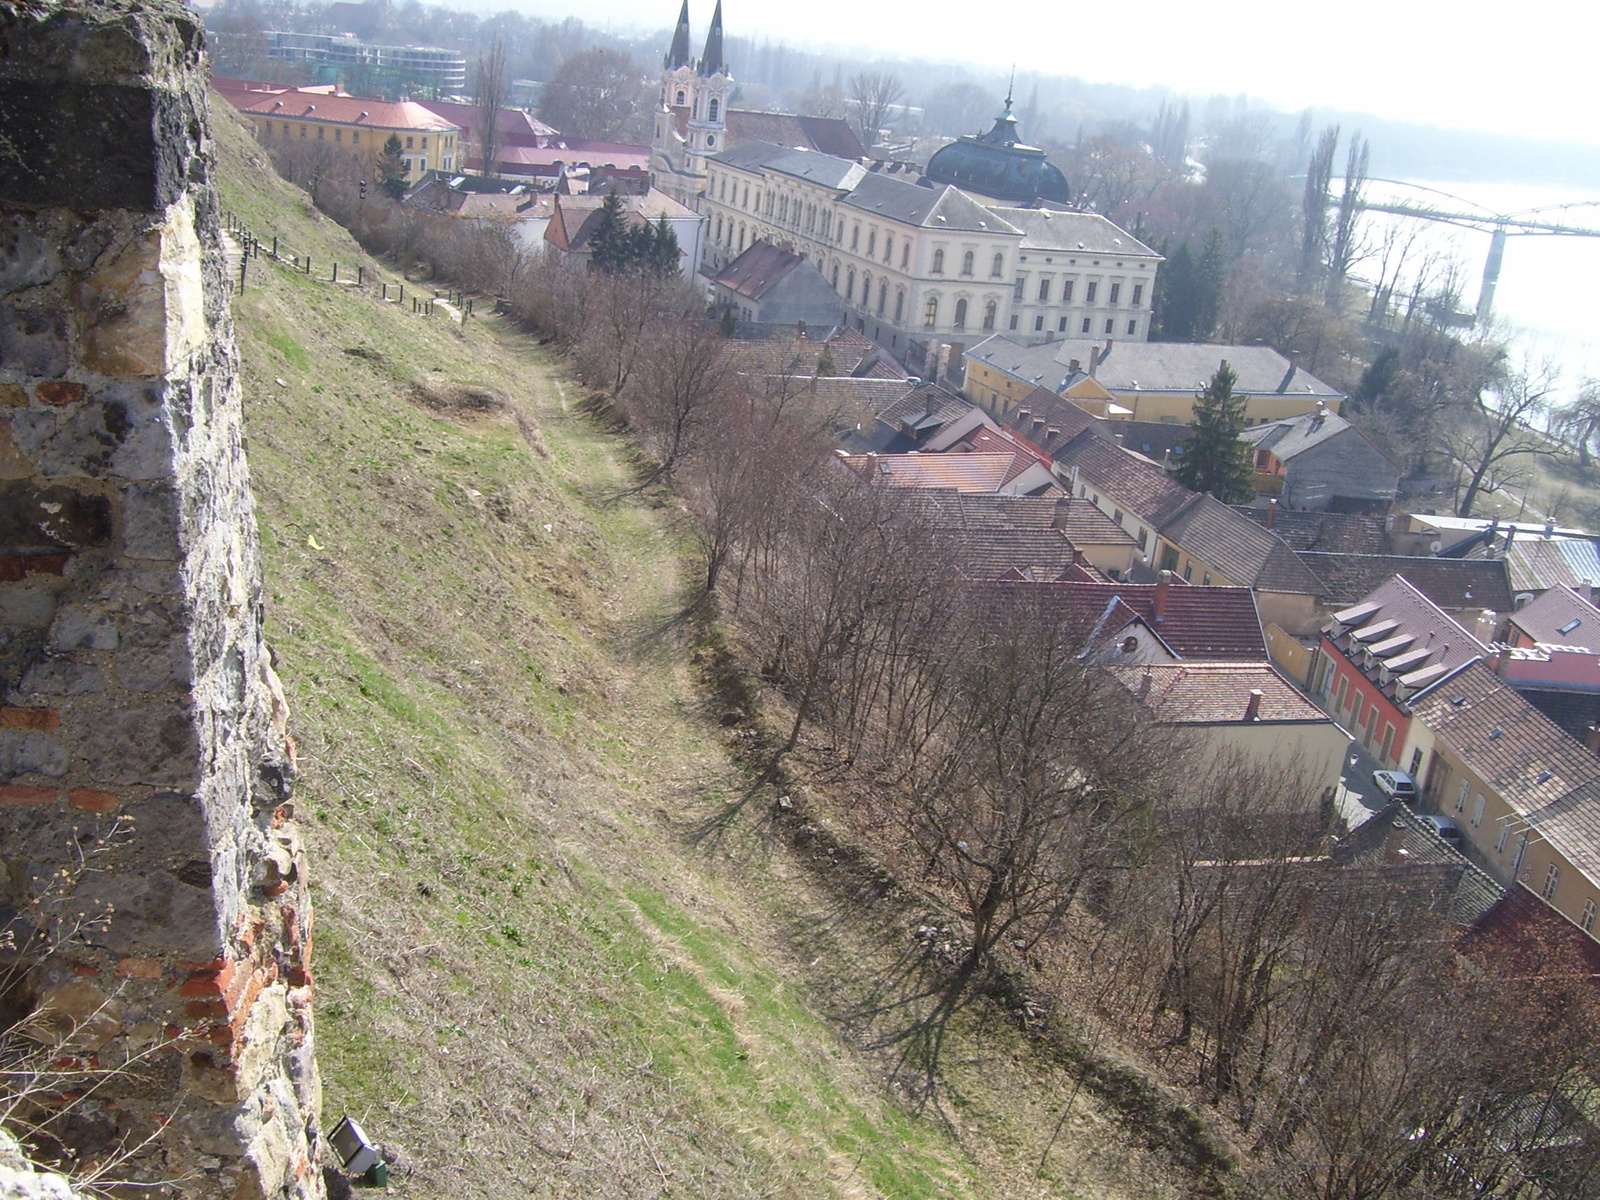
1207	623
1441	645
1211	693
1137	485
1561	617
1338	533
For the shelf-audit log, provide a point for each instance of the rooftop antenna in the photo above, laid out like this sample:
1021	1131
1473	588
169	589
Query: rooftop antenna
1011	87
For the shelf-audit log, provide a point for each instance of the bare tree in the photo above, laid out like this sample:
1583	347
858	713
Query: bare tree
592	94
1345	249
1497	426
677	390
1580	420
1314	209
873	93
491	96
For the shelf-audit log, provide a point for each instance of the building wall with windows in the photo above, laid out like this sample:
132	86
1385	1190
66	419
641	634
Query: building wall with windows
917	268
356	126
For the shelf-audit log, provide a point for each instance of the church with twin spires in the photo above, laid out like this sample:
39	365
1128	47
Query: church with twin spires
691	119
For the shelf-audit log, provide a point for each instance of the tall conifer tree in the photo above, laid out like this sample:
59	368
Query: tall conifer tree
1214	459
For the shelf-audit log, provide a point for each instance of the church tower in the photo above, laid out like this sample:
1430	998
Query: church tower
691	119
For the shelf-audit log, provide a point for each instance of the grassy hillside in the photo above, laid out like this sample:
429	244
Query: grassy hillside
531	979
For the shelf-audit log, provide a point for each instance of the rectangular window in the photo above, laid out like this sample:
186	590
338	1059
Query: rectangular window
1085	326
1144	538
1461	796
1061	325
1038	324
1505	836
1013	323
448	159
1188	571
1586	922
1205	580
409	144
1477	810
1416	762
1169	558
1044	291
1116	293
1066	291
1016	290
425	146
855	237
930	314
1138	294
355	138
1088	296
1552	878
1111	326
1133	328
1388	741
338	135
1116	515
322	134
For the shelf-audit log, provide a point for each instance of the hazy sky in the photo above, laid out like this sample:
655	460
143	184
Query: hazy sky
1510	68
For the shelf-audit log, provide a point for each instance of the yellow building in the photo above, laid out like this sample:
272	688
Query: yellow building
1141	381
1524	794
352	125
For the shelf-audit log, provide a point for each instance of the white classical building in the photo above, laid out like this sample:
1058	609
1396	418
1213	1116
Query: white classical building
927	271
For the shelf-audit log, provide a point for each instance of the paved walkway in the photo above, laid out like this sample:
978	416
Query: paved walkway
1358	797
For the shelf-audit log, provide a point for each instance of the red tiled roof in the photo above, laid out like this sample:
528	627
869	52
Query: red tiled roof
1560	617
964	472
1458	584
1046	420
1214	693
305	105
1139	486
758	270
515	127
1422	645
830	135
1086	525
1207	623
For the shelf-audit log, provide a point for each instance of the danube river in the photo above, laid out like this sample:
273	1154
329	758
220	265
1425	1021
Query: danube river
1545	300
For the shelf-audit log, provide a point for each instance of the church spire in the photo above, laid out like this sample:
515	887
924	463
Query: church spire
711	61
678	56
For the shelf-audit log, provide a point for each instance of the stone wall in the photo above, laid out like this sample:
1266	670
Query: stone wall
157	933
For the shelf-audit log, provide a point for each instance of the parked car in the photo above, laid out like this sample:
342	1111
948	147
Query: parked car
1444	827
1397	785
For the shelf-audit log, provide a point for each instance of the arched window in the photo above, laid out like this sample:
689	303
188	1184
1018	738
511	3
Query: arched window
966	263
930	314
866	289
997	268
680	98
741	235
718	234
715	105
836	277
938	263
872	242
961	314
988	314
850	286
899	304
888	247
883	297
905	255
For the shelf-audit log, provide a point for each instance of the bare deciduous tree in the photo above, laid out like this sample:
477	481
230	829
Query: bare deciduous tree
491	96
1496	431
873	93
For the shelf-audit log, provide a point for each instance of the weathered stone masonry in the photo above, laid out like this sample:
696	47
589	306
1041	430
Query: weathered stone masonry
150	876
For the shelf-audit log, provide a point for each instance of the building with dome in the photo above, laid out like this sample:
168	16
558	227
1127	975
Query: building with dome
997	166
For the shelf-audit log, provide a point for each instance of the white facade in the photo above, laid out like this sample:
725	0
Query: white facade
921	269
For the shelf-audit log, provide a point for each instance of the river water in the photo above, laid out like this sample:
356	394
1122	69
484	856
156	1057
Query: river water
1546	300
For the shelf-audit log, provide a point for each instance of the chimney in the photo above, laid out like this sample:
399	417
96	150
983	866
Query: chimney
1484	628
1510	534
1549	528
1252	710
1077	557
1591	739
1145	681
1074	365
1272	511
1117	438
1094	360
1163	586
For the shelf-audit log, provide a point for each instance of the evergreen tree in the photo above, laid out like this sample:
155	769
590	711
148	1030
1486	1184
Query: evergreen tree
1209	281
621	247
664	251
1172	316
609	249
1214	459
392	168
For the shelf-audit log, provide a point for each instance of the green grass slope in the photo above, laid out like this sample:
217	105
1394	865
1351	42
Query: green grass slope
529	980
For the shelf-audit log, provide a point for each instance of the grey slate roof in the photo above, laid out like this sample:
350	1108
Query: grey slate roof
1295	435
1186	367
1538	564
1421	644
1239	548
1458	584
1334	533
931	208
1047	229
